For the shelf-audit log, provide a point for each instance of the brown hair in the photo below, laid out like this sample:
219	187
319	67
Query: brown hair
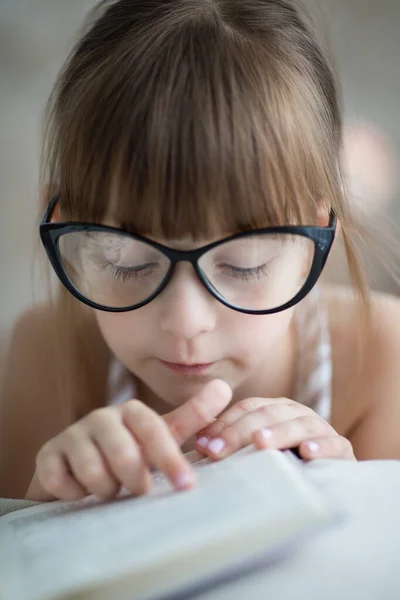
186	117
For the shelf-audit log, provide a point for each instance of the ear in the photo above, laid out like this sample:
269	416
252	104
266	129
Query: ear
56	218
323	214
46	196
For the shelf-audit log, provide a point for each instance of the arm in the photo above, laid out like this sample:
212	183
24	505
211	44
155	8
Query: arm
28	413
366	408
377	433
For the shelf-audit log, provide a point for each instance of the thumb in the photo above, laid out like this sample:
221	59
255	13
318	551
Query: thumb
199	411
37	492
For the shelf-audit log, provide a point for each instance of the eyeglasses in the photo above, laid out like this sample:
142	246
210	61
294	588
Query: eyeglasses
261	271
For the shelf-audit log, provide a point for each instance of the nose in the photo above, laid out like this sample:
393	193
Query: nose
187	308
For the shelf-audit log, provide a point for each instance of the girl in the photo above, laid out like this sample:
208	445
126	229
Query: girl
192	163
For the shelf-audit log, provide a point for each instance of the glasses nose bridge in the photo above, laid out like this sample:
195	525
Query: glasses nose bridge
190	256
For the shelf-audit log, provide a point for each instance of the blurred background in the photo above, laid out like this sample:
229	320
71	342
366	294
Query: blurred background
35	37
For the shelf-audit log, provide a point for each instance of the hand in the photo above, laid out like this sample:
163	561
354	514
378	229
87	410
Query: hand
116	445
272	423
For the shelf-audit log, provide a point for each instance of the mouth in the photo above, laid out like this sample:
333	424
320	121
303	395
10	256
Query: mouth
186	369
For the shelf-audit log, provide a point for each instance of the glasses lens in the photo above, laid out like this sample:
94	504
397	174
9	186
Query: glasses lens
260	272
110	269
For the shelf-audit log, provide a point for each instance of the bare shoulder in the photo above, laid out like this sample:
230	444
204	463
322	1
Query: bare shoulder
25	398
30	354
344	311
30	349
366	374
30	412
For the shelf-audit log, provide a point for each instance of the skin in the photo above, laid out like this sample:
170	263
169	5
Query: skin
245	398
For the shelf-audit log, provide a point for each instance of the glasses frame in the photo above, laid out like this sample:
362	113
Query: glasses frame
50	234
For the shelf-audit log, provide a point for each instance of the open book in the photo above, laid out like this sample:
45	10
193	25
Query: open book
243	512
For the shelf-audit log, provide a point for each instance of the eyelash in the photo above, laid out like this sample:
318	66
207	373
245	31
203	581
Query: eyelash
246	274
126	273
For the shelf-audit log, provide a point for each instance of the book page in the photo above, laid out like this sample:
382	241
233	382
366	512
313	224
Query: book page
357	559
55	550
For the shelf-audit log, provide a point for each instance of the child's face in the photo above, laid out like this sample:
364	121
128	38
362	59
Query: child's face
186	325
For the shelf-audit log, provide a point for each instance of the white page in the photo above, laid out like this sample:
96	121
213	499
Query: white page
39	546
358	559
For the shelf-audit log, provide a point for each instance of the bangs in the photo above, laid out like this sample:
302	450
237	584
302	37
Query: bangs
188	129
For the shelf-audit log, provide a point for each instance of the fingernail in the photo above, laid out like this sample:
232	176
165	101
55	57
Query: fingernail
266	433
184	481
202	442
216	446
313	446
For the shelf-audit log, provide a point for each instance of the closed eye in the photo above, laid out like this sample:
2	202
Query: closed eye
245	274
137	272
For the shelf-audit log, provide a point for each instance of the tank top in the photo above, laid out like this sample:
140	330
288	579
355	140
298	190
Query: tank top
313	386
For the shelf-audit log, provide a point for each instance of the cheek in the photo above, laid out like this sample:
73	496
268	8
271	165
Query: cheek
124	333
254	336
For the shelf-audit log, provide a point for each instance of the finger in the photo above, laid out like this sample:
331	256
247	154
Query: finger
240	434
199	411
53	479
240	411
292	433
157	444
334	446
121	453
37	492
87	464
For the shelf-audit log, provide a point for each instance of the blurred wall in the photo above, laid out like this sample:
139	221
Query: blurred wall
35	36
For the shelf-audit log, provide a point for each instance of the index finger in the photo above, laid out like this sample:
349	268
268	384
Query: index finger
199	411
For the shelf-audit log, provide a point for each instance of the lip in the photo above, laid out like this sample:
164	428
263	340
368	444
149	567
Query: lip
184	369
